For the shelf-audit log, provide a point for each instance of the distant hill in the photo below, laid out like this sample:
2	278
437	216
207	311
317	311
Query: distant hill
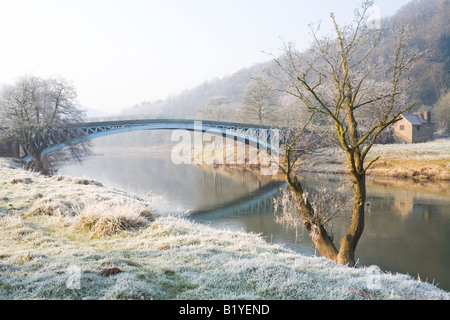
185	104
426	19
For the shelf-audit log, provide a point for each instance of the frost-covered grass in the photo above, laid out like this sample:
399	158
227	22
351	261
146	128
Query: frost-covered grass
420	161
44	254
437	149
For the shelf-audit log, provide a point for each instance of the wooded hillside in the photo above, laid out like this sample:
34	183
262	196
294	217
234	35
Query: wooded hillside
427	22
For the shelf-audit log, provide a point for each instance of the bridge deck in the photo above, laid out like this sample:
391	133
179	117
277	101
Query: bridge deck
171	121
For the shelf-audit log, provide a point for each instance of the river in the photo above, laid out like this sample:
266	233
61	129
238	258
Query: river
407	224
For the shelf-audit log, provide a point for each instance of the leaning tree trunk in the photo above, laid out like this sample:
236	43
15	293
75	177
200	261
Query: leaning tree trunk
38	164
320	237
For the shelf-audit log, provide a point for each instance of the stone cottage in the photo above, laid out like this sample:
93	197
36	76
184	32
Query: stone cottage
414	128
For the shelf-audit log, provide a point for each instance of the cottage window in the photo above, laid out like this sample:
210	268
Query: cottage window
418	128
402	127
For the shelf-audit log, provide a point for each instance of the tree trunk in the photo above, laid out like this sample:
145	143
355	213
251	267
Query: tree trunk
38	164
349	242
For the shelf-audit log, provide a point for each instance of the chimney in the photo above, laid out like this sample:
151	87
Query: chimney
427	116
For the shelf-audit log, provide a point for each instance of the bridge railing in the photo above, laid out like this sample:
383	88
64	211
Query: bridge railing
145	117
136	117
141	119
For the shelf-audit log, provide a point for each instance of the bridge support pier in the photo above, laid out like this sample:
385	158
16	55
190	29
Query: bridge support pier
9	149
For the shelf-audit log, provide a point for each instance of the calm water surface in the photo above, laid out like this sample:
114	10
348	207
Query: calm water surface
407	224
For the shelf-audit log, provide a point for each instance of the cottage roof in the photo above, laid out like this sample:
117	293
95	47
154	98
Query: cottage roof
415	119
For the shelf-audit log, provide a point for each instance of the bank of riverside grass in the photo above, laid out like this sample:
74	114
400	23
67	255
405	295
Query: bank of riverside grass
68	238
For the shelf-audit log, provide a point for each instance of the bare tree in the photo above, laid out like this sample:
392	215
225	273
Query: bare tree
259	104
336	82
34	110
442	112
216	108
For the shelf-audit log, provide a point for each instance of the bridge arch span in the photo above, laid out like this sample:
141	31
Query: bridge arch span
259	136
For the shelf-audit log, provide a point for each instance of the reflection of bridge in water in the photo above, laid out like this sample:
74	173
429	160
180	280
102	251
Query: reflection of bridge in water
250	204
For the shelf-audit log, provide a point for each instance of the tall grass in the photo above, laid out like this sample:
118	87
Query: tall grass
105	219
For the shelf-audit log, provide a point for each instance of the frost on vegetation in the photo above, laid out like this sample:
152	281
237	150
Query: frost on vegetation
105	219
167	258
51	207
10	163
101	218
219	265
86	182
78	202
327	201
285	204
436	149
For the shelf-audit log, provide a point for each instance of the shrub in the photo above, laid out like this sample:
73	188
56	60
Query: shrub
109	218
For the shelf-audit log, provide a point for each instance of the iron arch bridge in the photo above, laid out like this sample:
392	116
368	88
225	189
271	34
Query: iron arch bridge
255	135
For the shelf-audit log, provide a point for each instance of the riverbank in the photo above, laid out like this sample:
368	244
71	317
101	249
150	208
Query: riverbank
68	238
429	161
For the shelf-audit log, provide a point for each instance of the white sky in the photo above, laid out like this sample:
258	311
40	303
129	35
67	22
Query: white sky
121	52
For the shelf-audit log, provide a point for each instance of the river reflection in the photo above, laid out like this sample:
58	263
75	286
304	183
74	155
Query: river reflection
407	225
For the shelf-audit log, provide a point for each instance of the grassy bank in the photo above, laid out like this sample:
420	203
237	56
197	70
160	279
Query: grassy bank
64	238
420	161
